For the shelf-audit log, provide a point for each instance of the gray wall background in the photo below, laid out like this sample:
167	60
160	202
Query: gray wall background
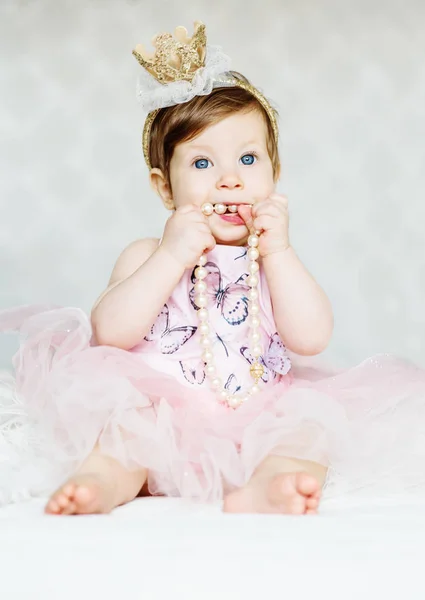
349	81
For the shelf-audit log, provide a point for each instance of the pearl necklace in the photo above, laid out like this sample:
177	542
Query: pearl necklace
201	301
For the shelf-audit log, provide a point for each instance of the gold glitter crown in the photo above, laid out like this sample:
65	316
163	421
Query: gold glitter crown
175	58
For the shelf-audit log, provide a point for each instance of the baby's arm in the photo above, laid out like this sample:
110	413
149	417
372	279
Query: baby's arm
145	276
301	309
142	280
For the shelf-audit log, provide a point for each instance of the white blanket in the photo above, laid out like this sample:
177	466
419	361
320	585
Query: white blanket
160	548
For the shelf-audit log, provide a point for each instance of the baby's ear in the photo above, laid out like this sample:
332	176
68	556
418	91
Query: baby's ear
161	186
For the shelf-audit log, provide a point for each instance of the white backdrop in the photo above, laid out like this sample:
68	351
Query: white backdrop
349	81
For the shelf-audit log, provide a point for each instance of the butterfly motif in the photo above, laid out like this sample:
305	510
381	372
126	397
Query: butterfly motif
232	300
231	384
243	255
276	358
170	339
275	361
193	374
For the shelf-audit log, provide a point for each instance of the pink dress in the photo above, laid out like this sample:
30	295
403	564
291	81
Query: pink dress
152	406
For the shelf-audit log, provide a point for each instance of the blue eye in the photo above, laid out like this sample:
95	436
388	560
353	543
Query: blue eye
201	163
248	159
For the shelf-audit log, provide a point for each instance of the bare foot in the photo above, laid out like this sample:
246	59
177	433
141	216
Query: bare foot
287	493
83	494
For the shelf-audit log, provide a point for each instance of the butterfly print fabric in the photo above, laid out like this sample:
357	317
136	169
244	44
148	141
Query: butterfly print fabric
170	340
172	343
232	299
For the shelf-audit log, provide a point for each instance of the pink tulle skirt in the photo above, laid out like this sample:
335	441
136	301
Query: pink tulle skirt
366	424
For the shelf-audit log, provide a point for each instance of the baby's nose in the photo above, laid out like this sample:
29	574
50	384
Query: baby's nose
230	181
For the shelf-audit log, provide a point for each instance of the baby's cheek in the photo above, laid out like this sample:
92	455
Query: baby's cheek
183	194
194	192
261	185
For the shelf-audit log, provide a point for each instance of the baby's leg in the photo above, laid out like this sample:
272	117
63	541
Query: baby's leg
101	484
280	485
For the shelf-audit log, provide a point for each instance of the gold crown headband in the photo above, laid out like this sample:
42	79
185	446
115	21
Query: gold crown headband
180	69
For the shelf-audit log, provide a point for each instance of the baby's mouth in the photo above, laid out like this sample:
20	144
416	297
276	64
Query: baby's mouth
233	218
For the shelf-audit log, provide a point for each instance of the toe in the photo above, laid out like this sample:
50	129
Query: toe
89	500
318	493
295	493
52	507
296	506
312	503
69	489
70	509
62	500
84	498
311	511
306	484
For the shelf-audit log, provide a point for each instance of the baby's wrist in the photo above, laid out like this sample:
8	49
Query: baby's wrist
280	249
170	259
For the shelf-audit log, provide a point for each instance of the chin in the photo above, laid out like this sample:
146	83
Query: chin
237	236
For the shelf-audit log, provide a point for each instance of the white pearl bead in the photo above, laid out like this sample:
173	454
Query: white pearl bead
233	208
201	300
254	309
204	329
215	383
202	260
254	337
253	294
220	209
200	287
253	241
207	356
201	273
252	280
207	209
256	351
223	395
254	322
254	389
233	401
210	370
205	342
253	267
253	254
203	315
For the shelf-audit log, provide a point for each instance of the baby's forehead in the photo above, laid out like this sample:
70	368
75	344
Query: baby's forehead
240	129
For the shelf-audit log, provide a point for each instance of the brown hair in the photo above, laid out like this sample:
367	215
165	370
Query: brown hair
183	122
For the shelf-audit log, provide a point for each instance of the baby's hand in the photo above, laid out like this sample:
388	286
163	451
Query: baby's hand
187	235
270	216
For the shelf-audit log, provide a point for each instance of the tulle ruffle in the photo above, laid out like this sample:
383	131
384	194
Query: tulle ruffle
366	424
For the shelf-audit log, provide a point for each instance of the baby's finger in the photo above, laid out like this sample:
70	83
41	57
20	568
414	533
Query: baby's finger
194	216
204	228
264	222
256	206
199	221
211	244
264	206
245	211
